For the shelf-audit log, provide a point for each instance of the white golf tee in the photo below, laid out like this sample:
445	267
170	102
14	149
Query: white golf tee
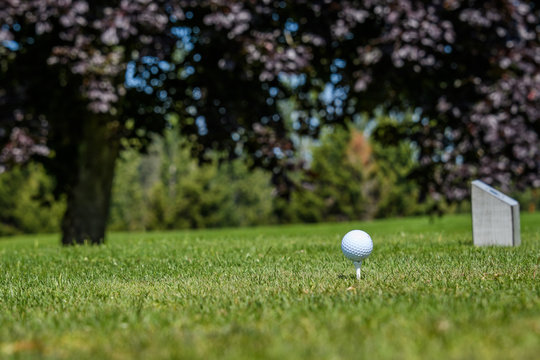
357	265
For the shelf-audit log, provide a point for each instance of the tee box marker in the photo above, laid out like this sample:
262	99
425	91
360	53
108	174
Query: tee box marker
495	217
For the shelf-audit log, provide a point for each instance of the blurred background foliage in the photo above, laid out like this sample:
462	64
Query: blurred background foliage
345	175
455	87
27	203
168	189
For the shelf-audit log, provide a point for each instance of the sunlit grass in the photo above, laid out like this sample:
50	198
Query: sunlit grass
274	292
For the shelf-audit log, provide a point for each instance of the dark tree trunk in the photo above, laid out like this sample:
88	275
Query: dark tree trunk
89	192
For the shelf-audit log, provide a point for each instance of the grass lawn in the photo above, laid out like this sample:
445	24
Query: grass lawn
275	293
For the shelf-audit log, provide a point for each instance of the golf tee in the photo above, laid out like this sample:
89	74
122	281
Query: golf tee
357	265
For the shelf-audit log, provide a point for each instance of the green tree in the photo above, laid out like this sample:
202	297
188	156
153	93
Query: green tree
130	194
339	183
339	177
169	189
398	194
252	193
352	176
27	203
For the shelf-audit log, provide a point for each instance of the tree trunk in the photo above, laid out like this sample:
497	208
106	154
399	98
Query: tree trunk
89	192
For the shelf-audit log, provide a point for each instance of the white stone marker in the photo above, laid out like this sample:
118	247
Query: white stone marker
495	217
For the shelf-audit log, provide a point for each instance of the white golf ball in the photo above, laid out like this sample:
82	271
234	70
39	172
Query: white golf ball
356	245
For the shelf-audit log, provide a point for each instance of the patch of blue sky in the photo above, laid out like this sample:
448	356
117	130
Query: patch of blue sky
278	153
138	74
339	63
335	78
327	94
331	93
200	121
291	26
184	35
273	91
165	66
11	45
162	95
133	81
292	80
187	71
416	115
196	93
181	32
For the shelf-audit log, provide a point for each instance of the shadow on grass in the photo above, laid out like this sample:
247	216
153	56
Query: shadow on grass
346	277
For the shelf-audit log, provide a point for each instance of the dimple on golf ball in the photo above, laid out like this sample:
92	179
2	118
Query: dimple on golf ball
356	245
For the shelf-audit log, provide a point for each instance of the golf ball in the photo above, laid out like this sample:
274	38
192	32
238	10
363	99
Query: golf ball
356	245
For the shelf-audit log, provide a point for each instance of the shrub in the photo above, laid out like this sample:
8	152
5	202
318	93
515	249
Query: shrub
27	204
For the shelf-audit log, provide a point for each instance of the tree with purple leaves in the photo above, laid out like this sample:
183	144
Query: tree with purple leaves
470	71
63	89
82	79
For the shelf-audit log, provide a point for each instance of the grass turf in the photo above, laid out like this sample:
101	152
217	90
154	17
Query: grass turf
274	292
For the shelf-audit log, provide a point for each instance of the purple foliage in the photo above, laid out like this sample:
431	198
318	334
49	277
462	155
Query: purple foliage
95	42
472	67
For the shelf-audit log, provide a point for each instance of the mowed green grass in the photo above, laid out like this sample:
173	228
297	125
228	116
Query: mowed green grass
274	293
